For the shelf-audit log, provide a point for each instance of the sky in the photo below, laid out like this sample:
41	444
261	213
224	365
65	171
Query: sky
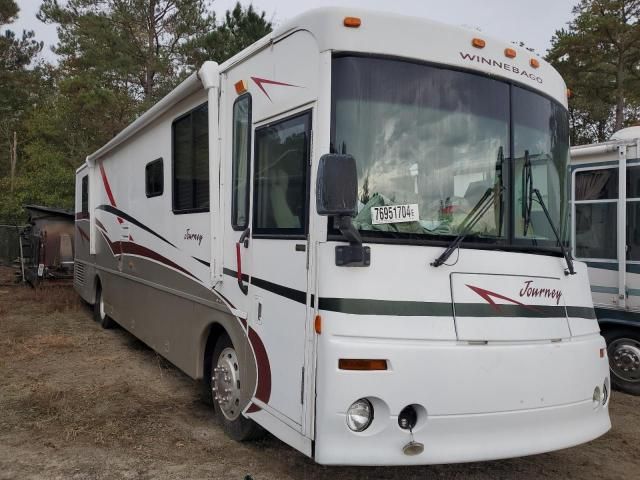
532	22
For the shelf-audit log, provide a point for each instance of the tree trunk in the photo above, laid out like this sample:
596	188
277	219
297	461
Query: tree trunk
150	73
619	95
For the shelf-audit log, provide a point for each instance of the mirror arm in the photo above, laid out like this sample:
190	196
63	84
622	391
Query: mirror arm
354	254
345	225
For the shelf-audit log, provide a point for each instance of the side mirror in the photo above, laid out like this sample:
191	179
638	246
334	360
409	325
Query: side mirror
337	196
337	185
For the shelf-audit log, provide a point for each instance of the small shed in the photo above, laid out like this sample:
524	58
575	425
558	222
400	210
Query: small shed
47	244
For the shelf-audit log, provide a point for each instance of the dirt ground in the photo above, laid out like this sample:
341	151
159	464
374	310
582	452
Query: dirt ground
80	402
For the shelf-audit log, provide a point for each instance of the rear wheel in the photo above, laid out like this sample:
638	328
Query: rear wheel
623	348
226	391
99	313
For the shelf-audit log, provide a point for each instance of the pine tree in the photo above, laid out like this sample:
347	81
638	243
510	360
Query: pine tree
598	55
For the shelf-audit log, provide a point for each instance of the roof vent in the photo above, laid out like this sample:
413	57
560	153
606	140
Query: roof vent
629	133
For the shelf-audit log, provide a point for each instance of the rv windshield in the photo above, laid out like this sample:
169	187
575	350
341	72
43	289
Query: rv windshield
432	143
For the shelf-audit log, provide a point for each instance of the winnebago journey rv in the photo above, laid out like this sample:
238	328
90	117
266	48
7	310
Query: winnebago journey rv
353	231
606	235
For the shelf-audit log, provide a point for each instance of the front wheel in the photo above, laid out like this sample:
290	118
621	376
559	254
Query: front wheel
623	348
226	392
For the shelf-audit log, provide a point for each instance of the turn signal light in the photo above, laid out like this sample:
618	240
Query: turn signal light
478	43
361	364
569	93
534	63
602	353
240	86
351	22
318	324
509	53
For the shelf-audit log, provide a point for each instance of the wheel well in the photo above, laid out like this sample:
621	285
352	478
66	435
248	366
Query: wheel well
608	326
96	284
215	330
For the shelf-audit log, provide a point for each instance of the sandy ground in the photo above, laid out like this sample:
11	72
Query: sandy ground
80	402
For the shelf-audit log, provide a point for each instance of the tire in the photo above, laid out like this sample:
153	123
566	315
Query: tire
225	374
623	349
99	314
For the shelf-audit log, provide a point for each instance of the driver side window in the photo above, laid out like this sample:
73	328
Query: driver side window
281	177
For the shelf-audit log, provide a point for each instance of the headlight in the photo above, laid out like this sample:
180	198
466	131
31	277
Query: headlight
360	415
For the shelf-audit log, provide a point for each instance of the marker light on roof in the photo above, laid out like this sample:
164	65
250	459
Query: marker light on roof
240	86
534	63
478	43
510	53
351	22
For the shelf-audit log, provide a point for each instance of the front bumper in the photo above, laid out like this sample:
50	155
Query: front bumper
482	402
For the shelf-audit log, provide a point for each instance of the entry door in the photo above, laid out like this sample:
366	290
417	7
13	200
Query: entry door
278	285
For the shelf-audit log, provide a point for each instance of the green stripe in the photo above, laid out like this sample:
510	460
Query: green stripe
600	289
359	306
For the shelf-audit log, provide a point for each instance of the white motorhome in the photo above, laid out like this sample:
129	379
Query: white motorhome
348	230
605	179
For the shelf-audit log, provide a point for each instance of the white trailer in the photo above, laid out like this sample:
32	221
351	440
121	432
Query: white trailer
605	179
342	230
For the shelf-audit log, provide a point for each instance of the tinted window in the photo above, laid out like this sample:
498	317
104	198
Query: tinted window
280	177
633	182
191	162
595	233
240	158
154	178
85	194
633	231
597	184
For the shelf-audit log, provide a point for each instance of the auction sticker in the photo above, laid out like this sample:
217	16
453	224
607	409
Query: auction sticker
394	214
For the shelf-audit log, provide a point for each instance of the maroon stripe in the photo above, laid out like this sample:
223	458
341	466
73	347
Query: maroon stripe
253	408
135	249
263	390
83	234
82	215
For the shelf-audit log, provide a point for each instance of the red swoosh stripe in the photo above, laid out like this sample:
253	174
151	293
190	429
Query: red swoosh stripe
487	294
107	188
260	81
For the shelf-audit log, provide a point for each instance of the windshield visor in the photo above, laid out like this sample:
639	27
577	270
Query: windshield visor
433	150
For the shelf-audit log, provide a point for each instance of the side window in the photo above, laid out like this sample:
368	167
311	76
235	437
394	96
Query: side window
280	177
633	213
240	159
596	202
191	162
154	178
85	194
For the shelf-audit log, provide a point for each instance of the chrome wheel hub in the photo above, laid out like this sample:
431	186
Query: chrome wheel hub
225	383
624	358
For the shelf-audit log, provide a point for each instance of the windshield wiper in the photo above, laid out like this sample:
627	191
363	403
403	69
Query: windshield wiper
527	180
472	218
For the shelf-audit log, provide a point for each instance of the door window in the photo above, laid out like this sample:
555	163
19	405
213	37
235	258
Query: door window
280	177
596	204
240	160
633	213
